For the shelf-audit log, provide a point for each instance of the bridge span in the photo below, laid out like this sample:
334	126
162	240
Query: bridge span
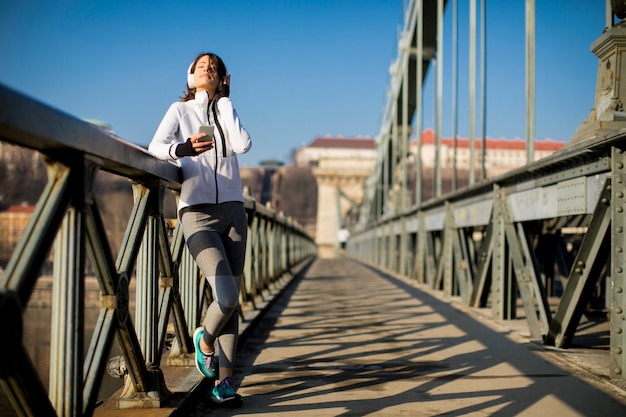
475	301
548	235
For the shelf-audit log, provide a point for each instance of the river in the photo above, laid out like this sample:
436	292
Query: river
36	338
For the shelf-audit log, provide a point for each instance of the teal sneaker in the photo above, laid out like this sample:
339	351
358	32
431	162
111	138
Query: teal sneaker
224	391
204	363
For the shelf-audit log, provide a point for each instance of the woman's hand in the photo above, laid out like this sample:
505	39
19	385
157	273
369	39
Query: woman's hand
201	143
224	89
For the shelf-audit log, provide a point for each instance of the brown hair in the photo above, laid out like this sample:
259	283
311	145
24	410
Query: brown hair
190	93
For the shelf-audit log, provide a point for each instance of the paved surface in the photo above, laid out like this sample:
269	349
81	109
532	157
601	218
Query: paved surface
346	340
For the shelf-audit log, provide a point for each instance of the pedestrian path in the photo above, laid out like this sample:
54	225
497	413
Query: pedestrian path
347	340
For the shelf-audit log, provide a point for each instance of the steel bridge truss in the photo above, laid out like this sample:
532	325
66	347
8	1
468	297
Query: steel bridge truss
545	241
506	240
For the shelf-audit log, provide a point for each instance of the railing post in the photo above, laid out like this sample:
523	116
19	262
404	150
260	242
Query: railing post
262	236
189	283
271	248
66	338
247	286
617	297
404	247
190	291
501	280
447	255
147	279
146	307
253	243
284	253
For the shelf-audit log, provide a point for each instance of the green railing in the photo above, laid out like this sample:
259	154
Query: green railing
169	290
545	241
510	237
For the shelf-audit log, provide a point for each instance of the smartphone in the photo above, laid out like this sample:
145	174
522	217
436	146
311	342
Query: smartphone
208	129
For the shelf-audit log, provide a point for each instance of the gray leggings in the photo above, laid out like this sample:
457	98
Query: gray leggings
216	237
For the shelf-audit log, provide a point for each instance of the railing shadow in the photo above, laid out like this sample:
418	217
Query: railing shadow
360	342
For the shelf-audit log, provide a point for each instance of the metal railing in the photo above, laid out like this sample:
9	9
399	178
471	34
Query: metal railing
169	288
500	240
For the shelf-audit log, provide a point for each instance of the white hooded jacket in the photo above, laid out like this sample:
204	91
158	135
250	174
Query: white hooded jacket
212	177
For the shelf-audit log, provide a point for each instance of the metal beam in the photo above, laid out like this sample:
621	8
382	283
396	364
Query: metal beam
588	265
616	301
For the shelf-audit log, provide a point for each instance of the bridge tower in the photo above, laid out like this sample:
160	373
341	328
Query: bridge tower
608	114
340	167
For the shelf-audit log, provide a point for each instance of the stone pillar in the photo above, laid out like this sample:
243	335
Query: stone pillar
326	225
608	114
347	175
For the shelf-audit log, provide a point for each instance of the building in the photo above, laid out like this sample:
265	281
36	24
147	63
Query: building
335	148
502	155
340	167
13	221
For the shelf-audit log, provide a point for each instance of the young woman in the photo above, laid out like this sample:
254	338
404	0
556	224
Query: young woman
211	208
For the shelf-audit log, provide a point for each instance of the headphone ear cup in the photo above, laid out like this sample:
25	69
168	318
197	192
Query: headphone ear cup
190	81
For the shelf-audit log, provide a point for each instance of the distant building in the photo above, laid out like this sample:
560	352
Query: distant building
335	148
103	125
340	166
13	221
502	155
272	164
15	158
267	190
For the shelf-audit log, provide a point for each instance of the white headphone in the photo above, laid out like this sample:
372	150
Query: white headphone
190	81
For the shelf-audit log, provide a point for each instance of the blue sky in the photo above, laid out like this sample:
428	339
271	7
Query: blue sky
300	69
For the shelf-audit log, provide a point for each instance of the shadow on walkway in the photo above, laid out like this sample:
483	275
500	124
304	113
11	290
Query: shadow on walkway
348	340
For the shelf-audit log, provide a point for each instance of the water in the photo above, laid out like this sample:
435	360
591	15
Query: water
36	339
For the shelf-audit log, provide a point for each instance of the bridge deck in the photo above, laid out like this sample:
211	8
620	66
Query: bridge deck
346	339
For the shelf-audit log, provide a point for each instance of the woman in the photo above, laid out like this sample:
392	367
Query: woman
211	207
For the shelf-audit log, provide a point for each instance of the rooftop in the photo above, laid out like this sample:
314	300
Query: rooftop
341	142
428	137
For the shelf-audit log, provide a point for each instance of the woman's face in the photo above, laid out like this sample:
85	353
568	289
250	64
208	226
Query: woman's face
205	75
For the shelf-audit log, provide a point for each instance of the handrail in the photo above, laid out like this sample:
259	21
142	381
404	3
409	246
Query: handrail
483	243
168	284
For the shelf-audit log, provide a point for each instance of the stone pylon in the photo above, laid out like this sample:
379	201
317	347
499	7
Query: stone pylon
348	175
607	115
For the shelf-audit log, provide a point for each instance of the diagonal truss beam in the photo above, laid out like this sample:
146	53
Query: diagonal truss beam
588	265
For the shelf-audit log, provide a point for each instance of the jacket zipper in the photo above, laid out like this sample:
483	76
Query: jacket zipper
219	128
208	115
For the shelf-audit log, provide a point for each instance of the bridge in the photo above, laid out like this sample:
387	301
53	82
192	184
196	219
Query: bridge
404	309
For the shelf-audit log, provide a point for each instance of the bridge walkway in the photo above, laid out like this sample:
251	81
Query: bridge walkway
348	340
